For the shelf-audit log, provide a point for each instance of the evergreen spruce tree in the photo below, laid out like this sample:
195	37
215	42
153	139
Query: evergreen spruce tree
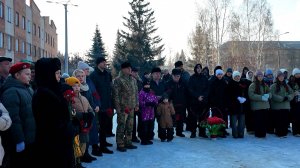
119	53
97	49
142	46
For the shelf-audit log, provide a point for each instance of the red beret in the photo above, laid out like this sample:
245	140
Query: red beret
18	67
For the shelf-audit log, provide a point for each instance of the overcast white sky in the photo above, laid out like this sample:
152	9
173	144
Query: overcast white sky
175	20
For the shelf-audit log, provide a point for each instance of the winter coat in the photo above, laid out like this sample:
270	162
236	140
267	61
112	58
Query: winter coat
217	93
178	93
92	88
277	102
103	84
82	106
17	99
198	86
5	123
158	88
55	132
165	111
147	111
256	99
125	93
185	77
236	89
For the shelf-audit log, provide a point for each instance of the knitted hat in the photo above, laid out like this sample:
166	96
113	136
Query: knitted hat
269	72
283	70
296	71
65	75
82	65
72	81
259	73
229	70
219	72
146	82
134	69
236	73
279	73
18	67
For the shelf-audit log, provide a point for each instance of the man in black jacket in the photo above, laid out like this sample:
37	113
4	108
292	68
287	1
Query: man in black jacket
103	83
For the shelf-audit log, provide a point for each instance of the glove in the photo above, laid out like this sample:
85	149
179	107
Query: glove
20	147
126	110
267	96
240	99
263	98
243	100
109	112
285	98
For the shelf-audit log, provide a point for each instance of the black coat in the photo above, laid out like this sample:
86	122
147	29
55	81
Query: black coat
54	129
178	93
236	89
217	93
198	86
158	89
103	84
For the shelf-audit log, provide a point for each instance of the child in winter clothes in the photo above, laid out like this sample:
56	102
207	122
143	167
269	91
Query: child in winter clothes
84	113
147	101
165	111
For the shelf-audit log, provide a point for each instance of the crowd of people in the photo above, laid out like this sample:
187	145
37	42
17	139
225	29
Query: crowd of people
54	119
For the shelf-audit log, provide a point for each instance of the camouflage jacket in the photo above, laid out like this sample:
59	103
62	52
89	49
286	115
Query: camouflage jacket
125	92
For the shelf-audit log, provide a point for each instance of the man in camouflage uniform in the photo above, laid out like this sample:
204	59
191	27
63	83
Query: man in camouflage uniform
125	96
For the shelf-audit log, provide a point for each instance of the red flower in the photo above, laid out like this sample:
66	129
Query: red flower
109	112
215	120
69	96
127	110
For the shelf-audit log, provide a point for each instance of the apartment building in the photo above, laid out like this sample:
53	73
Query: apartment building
24	33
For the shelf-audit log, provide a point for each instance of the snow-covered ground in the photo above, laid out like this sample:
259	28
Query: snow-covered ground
250	152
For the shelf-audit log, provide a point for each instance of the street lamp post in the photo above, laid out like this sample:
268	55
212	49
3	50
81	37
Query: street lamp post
66	63
279	48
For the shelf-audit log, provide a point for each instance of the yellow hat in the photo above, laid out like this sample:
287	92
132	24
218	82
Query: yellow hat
72	81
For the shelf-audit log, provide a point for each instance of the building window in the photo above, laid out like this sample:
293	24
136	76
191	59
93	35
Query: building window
34	50
28	49
9	14
1	40
23	47
28	26
34	28
23	23
9	42
1	10
17	45
39	31
17	19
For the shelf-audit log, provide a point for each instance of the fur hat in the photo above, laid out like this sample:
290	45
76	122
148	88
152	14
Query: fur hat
99	60
236	73
82	65
296	71
178	64
18	67
176	71
71	81
156	69
125	65
219	72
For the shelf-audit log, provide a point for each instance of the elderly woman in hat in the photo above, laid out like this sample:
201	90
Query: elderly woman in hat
18	140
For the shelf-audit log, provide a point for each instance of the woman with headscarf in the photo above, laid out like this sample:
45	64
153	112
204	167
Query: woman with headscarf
54	130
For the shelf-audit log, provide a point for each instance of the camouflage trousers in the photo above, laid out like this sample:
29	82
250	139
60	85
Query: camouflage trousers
124	128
